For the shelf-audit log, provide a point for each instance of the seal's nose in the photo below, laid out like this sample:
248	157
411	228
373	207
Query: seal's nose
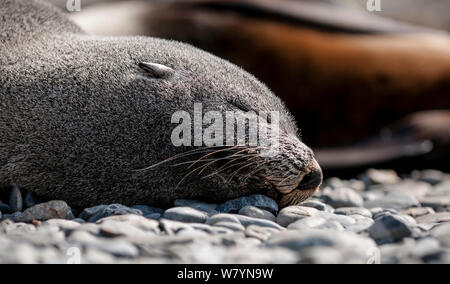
312	180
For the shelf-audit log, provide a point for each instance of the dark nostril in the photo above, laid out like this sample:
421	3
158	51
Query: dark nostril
311	180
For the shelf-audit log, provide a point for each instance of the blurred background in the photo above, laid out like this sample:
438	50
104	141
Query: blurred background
368	87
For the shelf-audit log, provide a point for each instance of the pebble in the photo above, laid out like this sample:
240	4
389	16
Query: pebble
342	197
374	176
255	212
291	214
347	211
45	211
5	209
247	221
260	201
390	229
15	200
435	218
186	214
93	214
418	212
397	201
384	212
235	227
317	205
202	206
348	247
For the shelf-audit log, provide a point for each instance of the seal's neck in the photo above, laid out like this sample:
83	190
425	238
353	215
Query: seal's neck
22	20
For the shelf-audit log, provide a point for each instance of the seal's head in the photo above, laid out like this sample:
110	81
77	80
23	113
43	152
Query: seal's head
285	170
90	119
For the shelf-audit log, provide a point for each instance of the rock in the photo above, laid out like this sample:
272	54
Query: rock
418	212
247	221
30	200
442	234
362	224
435	218
438	203
113	229
432	177
50	210
385	212
255	212
409	251
317	205
341	219
394	201
347	211
260	201
5	209
261	233
374	176
308	223
342	197
391	229
202	206
410	187
96	213
186	214
148	210
223	218
346	247
62	224
291	214
15	200
235	227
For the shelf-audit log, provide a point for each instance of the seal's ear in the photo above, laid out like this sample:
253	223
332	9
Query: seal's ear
157	71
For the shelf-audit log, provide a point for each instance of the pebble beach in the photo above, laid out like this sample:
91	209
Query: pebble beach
377	217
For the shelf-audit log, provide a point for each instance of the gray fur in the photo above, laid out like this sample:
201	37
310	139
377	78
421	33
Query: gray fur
78	116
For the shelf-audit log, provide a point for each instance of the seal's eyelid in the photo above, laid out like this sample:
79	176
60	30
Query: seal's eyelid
156	70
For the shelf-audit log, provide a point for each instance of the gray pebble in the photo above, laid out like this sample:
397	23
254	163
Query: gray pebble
391	229
291	214
50	210
4	208
15	200
202	206
347	211
147	210
255	212
235	227
247	221
349	248
418	212
435	218
260	201
96	213
342	197
438	203
260	233
223	218
374	176
317	205
385	212
186	214
393	200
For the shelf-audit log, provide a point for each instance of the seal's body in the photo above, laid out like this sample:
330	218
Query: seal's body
81	121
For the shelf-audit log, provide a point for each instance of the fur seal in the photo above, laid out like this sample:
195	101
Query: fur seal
87	119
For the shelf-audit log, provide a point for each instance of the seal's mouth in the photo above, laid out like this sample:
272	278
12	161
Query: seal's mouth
306	188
